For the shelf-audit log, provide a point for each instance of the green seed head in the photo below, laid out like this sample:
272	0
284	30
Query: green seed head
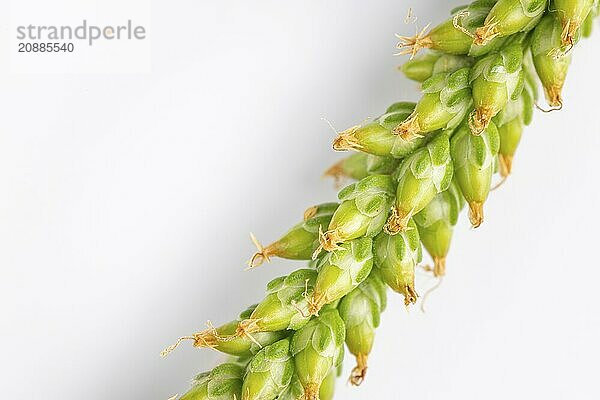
279	310
436	225
360	310
316	349
420	177
269	373
396	257
474	161
572	13
496	79
340	271
445	102
362	212
300	242
222	383
424	67
377	137
508	17
550	63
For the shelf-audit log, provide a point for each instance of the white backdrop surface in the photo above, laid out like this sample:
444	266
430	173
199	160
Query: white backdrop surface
127	200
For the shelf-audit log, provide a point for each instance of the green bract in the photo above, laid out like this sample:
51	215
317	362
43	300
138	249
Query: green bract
550	64
496	79
295	391
445	102
420	177
436	224
360	310
508	17
377	137
396	257
300	242
341	271
572	13
279	310
424	67
455	36
222	383
474	158
360	165
269	373
362	212
316	348
510	136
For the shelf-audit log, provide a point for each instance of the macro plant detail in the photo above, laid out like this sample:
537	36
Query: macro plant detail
415	167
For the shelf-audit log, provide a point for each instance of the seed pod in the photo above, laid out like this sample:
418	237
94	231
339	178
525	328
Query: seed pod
295	391
445	102
279	309
340	272
222	383
474	166
572	13
360	310
436	224
225	340
362	212
551	66
317	348
396	257
424	67
454	36
301	241
269	373
510	136
327	389
377	137
508	17
496	79
360	165
421	176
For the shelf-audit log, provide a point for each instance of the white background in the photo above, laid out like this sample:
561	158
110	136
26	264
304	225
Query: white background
127	201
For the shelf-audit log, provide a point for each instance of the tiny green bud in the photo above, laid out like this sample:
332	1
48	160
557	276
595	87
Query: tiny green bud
279	309
377	137
222	383
474	158
396	257
421	176
269	373
300	242
424	67
508	17
340	271
436	225
316	349
551	65
362	212
360	310
445	102
572	13
353	167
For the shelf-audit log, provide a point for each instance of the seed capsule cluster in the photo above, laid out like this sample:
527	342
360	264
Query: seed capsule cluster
415	168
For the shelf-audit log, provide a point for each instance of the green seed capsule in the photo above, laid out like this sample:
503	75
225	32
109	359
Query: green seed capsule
454	36
474	158
225	340
317	348
551	66
445	102
362	212
300	242
279	309
421	176
508	17
327	389
295	391
572	13
360	165
340	272
360	310
436	224
269	373
495	79
521	108
510	136
424	67
377	137
396	257
223	382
